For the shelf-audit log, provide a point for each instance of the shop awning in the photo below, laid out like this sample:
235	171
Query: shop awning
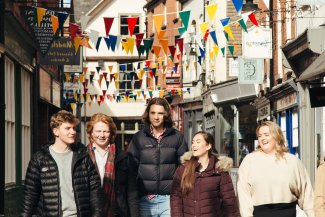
317	68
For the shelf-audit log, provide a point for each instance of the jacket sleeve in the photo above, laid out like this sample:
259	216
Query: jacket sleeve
133	195
182	148
176	202
244	191
96	192
319	201
32	188
228	198
306	196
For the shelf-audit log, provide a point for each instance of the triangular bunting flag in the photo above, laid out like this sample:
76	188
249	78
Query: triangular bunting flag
225	21
108	21
113	39
242	24
211	10
185	16
40	14
158	21
238	5
253	19
214	37
180	43
204	27
229	32
132	21
55	23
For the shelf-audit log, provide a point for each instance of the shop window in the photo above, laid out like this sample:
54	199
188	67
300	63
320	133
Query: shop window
10	124
128	80
284	126
227	132
124	28
129	126
25	119
295	130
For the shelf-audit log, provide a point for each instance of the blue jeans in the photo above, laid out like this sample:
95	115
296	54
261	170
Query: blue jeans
158	206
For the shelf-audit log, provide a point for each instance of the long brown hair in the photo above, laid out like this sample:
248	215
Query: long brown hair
277	134
188	177
162	102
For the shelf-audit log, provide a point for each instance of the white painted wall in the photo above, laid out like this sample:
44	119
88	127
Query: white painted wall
111	108
310	18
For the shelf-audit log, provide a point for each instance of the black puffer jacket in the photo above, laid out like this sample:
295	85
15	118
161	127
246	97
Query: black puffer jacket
42	194
156	162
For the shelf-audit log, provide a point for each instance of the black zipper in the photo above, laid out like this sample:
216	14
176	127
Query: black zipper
158	164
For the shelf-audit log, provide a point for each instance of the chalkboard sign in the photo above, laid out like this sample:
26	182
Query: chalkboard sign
61	52
42	34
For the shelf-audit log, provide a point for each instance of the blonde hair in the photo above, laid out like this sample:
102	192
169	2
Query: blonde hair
277	134
61	117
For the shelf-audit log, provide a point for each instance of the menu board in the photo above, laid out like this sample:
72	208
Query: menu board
42	34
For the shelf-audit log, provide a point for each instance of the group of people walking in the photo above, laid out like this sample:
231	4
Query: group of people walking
159	176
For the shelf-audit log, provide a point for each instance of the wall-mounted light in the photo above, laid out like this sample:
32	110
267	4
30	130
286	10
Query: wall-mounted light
163	27
175	20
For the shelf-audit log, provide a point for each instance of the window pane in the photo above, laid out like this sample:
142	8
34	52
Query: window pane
124	30
124	20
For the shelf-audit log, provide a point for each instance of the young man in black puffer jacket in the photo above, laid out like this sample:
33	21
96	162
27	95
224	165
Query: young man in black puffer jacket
61	179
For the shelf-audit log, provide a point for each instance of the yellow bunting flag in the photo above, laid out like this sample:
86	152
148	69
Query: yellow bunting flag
81	78
211	55
110	68
161	93
67	76
40	14
229	32
55	23
115	76
160	59
140	74
204	27
211	10
77	41
158	20
125	46
130	42
75	96
216	50
73	105
117	85
138	93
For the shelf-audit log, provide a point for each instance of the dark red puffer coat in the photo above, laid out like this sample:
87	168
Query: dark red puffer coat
213	193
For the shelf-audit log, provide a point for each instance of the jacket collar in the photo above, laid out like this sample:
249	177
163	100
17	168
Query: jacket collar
167	132
222	163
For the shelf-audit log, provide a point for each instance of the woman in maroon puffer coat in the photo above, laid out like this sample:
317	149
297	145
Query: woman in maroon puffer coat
202	186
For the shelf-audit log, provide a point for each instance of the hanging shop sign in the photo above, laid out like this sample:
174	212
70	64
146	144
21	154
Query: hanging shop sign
257	43
233	67
317	97
264	112
251	71
286	101
62	52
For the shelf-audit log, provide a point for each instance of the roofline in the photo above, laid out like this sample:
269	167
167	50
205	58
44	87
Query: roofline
97	8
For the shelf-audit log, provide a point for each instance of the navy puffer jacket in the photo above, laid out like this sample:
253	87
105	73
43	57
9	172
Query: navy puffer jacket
42	194
156	162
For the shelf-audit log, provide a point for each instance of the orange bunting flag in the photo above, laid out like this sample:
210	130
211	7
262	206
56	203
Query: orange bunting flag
85	69
40	14
55	23
156	50
161	93
161	34
164	44
100	79
85	42
67	77
158	20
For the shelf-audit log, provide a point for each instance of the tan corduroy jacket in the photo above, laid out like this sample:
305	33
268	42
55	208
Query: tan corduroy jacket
319	204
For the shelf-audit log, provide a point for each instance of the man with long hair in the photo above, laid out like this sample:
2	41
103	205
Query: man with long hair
155	152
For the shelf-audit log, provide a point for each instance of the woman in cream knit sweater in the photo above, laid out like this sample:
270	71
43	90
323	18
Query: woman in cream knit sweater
272	181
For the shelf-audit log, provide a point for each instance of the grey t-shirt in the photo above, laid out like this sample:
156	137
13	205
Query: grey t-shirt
64	161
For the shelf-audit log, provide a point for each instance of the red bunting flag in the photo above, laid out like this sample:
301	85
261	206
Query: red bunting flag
108	24
139	38
132	21
253	19
172	50
180	43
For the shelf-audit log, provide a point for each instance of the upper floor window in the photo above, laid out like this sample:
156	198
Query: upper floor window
128	78
124	28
